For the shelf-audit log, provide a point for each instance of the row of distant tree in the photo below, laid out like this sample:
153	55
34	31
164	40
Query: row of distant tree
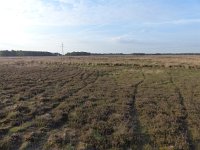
26	53
13	53
140	54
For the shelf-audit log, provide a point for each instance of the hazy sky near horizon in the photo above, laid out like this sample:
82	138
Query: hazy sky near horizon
102	26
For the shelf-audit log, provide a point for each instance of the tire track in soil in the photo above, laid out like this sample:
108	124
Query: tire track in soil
63	98
79	89
44	138
52	83
85	86
138	137
59	99
183	120
34	95
80	74
35	92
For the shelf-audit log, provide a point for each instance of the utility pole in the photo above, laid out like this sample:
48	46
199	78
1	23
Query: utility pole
62	49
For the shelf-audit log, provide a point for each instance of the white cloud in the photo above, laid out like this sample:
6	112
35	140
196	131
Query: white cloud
124	39
71	12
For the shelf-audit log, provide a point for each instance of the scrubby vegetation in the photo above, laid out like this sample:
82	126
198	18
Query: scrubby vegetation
78	54
26	53
99	103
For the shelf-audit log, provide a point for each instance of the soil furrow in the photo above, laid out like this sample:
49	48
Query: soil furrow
138	138
183	118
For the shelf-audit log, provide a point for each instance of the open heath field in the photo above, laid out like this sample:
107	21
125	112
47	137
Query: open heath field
100	102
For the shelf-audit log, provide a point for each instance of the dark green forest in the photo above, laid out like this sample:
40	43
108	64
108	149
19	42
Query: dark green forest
26	53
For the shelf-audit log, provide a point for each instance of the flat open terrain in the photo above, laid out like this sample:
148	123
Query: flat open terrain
100	102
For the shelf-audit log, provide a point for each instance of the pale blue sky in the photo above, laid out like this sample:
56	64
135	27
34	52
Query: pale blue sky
101	26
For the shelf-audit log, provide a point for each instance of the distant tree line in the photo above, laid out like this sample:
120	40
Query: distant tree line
13	53
88	54
131	54
174	54
78	54
26	53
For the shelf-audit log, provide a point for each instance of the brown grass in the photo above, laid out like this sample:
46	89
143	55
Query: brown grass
102	102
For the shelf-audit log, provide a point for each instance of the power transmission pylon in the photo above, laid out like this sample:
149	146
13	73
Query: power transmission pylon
62	49
62	53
